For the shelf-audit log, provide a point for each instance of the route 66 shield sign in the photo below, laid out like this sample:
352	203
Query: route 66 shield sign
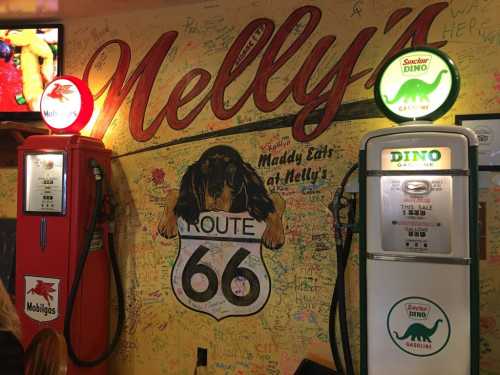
219	269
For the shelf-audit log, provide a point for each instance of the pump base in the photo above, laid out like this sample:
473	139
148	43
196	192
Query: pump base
308	367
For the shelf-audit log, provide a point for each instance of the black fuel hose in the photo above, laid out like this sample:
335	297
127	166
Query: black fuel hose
343	246
98	174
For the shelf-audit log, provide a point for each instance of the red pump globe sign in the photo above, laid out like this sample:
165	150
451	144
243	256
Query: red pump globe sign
66	105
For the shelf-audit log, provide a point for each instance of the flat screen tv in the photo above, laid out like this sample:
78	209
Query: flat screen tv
30	57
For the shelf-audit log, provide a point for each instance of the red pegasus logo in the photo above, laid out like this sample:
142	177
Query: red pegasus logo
59	92
44	290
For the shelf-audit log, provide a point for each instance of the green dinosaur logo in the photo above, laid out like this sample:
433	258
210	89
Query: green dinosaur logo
418	326
419	332
414	88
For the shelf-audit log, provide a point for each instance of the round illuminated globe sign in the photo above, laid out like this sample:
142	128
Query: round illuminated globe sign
417	84
66	105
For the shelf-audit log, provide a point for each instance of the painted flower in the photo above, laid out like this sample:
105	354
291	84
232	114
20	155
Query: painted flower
157	175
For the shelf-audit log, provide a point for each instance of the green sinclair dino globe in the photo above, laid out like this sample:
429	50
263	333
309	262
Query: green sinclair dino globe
417	84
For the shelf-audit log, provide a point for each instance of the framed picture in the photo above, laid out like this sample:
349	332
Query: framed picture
487	129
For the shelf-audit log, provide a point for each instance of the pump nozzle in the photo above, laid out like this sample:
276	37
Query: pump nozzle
96	170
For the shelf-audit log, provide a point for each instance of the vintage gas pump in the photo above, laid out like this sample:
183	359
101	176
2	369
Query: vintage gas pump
62	233
418	226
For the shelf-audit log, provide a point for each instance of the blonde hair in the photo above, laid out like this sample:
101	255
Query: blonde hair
9	321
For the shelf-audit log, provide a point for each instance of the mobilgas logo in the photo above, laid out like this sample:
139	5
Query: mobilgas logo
60	112
41	298
40	308
49	113
409	156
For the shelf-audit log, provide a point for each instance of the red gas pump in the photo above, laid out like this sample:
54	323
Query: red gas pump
62	270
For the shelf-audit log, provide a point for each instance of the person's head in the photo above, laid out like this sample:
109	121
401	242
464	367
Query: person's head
9	321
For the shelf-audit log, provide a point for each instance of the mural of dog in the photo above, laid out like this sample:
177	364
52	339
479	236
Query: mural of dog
221	181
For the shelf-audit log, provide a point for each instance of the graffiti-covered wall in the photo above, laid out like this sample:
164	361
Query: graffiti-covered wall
231	124
8	192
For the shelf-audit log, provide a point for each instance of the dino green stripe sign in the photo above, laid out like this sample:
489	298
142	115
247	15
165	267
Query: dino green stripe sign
418	326
417	84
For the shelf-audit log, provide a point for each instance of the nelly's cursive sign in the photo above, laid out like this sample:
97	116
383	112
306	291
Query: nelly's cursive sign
258	38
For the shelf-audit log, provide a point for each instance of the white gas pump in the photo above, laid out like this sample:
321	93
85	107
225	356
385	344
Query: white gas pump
418	255
418	227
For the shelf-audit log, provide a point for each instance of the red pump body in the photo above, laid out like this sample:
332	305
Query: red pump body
56	193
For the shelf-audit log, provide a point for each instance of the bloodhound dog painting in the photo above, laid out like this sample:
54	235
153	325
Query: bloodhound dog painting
220	180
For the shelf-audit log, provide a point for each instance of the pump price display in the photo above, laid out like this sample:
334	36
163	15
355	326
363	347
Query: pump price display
44	182
416	212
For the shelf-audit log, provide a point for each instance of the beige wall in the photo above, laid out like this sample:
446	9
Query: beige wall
161	335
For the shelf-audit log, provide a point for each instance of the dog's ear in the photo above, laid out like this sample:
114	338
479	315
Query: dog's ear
191	198
259	203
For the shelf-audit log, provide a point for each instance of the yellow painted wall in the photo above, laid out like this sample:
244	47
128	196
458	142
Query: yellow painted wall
161	335
8	192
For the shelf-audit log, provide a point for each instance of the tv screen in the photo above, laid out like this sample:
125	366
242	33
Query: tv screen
30	57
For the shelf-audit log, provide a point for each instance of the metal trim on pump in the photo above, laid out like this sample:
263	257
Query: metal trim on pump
474	246
472	138
63	187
